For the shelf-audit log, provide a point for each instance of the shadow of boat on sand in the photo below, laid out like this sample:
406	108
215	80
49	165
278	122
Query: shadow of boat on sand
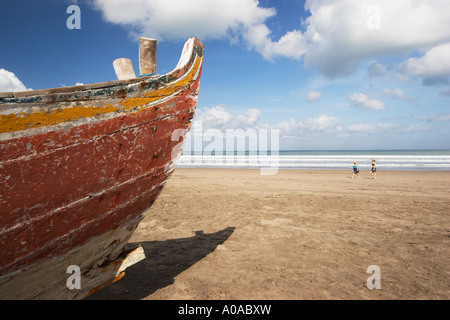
164	261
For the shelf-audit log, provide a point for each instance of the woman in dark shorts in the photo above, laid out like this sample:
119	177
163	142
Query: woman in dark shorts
373	171
355	169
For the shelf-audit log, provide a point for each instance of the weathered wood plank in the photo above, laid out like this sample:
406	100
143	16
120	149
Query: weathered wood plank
6	95
98	168
124	69
147	55
100	261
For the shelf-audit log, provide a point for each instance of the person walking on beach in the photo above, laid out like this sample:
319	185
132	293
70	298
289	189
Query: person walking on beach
355	169
373	171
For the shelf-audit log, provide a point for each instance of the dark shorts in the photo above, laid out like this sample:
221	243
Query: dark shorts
374	169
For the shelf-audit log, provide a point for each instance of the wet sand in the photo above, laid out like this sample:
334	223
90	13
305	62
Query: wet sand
295	235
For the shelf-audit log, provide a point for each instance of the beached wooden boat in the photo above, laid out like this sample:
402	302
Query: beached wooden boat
78	168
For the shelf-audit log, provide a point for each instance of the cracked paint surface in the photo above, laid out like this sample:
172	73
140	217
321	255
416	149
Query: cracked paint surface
77	165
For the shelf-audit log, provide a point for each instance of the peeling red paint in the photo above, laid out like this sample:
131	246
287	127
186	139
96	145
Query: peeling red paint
62	187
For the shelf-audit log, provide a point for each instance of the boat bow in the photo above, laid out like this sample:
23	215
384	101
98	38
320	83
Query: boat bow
79	166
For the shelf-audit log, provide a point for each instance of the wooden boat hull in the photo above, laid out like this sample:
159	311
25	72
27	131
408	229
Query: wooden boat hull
78	168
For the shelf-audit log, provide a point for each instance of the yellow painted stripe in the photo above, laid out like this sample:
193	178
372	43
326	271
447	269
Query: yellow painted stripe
22	121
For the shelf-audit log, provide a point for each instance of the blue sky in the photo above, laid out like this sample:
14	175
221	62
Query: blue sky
348	74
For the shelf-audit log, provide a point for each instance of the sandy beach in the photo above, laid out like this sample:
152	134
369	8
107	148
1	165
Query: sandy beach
295	235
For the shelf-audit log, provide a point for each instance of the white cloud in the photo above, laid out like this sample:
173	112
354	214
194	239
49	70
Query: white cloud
338	34
440	117
232	19
361	101
321	124
9	82
213	124
216	117
313	95
342	33
397	94
174	19
250	118
292	44
361	128
386	129
376	69
434	64
219	118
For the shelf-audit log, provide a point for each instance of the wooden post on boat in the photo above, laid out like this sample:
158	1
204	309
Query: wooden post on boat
147	55
124	69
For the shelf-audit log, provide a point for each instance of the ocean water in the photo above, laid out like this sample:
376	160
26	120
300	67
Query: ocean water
415	160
